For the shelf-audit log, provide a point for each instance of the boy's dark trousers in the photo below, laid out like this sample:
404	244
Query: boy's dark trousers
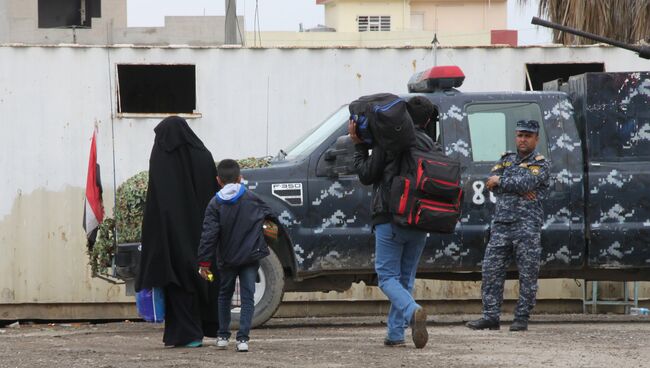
247	277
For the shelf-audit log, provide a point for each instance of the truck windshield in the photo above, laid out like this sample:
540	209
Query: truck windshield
308	142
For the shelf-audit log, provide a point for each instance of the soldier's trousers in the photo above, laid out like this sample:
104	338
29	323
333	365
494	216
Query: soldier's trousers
518	241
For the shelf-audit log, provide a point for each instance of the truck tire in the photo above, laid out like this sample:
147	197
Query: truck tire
268	292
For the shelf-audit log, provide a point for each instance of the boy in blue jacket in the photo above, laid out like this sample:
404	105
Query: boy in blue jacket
233	237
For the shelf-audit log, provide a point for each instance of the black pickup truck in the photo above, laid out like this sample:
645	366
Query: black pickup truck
595	130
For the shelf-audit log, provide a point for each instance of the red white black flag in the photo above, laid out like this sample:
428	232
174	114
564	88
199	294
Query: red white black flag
93	209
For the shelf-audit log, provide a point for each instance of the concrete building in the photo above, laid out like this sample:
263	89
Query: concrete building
100	22
243	102
380	23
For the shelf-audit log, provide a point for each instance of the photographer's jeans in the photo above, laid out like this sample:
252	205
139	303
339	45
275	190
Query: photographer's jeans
397	254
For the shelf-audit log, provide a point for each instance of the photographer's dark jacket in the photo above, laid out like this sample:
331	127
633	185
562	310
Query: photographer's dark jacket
232	228
379	168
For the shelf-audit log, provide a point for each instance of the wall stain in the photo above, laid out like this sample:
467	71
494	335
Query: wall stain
43	250
7	295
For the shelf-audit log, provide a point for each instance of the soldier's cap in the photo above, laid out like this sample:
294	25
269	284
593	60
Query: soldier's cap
528	126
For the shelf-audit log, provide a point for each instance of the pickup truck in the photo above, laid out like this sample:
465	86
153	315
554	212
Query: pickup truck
595	129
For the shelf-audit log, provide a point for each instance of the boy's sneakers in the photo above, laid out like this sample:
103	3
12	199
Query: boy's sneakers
242	346
419	328
222	342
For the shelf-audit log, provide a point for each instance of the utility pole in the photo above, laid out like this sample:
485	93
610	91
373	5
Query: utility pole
231	23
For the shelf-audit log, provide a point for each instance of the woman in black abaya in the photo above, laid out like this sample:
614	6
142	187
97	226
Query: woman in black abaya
182	180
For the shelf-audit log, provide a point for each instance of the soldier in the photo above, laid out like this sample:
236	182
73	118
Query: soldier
520	182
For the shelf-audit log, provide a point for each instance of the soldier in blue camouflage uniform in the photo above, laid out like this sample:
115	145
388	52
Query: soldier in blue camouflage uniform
520	182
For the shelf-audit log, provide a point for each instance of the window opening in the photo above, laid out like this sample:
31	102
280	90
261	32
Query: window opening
373	23
67	13
492	128
166	89
538	74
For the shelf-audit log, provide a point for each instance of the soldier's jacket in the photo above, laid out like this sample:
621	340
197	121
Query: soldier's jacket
519	176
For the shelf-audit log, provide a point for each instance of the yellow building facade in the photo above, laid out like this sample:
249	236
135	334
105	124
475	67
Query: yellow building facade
378	23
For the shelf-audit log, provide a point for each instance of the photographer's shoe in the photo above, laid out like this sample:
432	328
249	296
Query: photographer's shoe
419	331
519	325
482	324
394	343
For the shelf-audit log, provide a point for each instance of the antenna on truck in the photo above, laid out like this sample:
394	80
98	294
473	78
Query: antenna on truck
434	49
643	51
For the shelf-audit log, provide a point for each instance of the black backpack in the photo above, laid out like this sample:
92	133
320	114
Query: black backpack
427	193
382	119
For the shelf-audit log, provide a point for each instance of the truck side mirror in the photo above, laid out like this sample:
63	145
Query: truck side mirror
344	164
330	155
338	159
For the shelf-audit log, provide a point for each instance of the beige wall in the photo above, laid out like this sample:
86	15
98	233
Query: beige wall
462	17
552	289
366	39
450	17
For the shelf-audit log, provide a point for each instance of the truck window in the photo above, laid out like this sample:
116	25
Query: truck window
492	128
308	142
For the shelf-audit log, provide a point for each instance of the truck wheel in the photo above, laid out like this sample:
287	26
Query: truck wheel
269	289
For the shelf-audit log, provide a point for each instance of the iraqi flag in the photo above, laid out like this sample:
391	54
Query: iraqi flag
93	209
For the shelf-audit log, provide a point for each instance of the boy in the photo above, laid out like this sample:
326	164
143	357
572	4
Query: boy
233	236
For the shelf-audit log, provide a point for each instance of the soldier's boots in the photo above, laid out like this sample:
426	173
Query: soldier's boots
519	325
483	323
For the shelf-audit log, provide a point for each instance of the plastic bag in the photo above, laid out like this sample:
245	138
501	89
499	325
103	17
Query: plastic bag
151	304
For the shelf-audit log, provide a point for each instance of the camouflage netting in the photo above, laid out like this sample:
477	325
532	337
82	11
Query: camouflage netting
129	209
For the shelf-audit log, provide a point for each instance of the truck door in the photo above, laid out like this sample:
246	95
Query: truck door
488	128
338	208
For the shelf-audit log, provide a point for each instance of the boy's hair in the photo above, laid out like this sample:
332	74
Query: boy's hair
421	110
228	171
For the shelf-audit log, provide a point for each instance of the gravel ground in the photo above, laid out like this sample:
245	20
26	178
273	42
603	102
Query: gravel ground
612	341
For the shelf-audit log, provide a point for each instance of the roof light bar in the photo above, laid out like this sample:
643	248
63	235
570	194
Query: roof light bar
436	78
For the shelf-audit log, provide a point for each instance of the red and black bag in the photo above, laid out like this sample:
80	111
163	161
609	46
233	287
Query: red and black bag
427	193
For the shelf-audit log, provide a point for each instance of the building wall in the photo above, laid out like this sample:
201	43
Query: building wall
365	39
462	17
21	24
456	22
51	97
342	14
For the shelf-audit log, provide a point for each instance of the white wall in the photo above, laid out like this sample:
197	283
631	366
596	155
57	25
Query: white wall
50	97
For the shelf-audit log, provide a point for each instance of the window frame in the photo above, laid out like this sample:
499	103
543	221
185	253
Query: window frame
149	115
543	141
381	22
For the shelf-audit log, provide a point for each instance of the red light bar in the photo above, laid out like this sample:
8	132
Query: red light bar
436	78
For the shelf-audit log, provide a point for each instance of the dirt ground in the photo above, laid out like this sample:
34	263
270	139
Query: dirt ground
612	341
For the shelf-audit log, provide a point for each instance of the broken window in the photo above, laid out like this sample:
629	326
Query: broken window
151	89
373	23
67	13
